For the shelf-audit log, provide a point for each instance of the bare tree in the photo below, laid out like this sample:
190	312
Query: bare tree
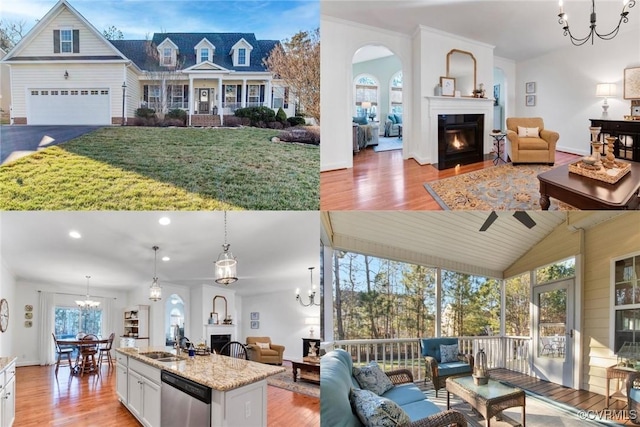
163	75
11	33
297	62
113	33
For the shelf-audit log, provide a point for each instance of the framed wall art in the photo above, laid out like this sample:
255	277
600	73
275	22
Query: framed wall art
632	83
448	85
530	100
255	324
530	87
255	315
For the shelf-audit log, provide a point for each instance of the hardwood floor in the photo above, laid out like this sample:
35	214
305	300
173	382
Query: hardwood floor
44	400
384	181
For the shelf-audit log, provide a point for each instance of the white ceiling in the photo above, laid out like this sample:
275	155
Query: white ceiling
274	249
519	29
448	239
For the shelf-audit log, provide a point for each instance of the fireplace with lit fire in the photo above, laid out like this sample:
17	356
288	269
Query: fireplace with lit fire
460	139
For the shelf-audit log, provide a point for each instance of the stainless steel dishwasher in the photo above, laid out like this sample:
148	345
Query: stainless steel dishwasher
184	402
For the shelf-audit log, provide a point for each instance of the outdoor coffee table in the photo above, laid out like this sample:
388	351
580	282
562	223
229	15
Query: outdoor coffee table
587	193
489	400
306	367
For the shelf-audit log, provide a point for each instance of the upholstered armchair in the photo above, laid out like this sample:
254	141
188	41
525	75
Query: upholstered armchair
263	351
529	146
438	369
392	125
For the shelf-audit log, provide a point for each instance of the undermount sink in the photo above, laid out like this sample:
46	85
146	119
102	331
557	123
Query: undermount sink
157	355
170	359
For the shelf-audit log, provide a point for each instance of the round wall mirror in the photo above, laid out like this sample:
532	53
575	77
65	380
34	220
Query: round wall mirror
174	319
461	65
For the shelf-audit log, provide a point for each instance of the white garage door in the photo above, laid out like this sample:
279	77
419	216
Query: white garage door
68	107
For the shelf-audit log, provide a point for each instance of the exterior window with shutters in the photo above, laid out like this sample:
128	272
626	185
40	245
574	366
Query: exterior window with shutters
66	41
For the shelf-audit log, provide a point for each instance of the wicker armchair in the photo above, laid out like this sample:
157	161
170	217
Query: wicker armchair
438	372
446	418
633	396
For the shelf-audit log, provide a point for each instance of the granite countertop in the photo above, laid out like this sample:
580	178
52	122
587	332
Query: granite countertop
221	373
6	361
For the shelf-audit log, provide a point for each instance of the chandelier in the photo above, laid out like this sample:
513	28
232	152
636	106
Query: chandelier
226	263
312	292
564	21
155	291
87	303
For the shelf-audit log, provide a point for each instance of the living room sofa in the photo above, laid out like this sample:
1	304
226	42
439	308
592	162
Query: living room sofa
437	371
337	380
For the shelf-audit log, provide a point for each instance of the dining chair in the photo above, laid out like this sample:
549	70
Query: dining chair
61	352
88	353
235	349
107	350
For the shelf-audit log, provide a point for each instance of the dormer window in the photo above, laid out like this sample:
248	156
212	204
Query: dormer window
167	56
204	54
241	53
242	56
205	50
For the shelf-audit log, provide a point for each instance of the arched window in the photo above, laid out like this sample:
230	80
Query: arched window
395	95
366	91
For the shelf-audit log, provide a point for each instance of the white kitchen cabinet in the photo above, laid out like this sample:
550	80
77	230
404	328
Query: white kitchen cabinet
8	395
122	383
144	393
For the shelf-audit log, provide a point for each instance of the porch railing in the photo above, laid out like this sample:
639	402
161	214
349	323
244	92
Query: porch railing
502	352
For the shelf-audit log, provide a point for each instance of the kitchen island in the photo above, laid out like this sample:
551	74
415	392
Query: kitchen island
238	388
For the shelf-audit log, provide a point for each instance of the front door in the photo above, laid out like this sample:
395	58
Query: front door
553	332
203	101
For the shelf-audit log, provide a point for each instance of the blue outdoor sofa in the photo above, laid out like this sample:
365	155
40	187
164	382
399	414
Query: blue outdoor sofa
438	372
336	382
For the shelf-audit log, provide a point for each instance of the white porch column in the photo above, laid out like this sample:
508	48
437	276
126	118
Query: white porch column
244	93
267	94
191	98
219	100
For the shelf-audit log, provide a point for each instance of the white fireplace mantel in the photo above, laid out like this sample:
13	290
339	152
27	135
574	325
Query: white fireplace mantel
437	105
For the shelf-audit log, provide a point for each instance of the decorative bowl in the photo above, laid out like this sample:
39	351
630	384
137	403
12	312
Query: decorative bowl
589	160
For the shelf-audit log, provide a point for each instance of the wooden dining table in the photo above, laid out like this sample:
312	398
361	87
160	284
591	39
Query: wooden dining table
74	342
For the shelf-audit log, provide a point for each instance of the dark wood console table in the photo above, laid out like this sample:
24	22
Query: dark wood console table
627	133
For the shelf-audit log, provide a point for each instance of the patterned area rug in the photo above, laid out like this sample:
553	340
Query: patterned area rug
386	144
285	380
504	187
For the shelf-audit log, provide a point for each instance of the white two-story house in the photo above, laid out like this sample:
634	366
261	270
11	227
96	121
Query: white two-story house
65	72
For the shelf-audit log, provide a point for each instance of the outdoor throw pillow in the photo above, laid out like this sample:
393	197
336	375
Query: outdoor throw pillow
528	132
448	353
264	345
371	377
376	411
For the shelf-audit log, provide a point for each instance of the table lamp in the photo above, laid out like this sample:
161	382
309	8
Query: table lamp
366	105
605	90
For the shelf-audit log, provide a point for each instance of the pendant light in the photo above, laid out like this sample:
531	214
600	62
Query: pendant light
226	263
312	292
155	291
88	303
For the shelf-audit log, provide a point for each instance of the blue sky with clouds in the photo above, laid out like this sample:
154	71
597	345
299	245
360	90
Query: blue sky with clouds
269	20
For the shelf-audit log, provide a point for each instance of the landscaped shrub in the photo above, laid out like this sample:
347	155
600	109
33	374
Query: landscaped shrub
171	122
281	116
232	121
296	121
257	115
146	113
305	135
145	121
274	125
177	114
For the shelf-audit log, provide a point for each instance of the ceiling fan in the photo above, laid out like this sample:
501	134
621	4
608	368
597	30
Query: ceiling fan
521	216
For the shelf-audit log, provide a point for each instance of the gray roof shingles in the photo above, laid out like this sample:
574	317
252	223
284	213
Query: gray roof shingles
137	50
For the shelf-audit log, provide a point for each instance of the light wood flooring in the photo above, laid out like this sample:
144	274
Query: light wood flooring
385	181
44	400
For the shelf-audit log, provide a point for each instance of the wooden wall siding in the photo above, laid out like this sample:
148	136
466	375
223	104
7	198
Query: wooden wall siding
42	43
611	239
26	76
561	243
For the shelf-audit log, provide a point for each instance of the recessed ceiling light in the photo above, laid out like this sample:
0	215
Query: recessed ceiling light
166	258
164	220
75	234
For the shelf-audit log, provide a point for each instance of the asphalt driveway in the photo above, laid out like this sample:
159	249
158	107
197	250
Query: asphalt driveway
21	140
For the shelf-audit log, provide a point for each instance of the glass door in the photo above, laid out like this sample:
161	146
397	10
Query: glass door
553	332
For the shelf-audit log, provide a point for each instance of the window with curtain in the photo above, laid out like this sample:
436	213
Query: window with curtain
395	95
366	90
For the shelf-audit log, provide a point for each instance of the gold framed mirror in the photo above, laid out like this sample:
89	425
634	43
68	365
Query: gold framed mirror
461	65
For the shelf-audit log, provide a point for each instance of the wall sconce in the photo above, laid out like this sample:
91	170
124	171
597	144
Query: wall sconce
66	74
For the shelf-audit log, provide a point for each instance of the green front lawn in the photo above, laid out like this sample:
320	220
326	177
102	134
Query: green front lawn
130	168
